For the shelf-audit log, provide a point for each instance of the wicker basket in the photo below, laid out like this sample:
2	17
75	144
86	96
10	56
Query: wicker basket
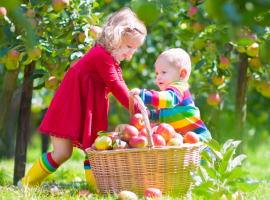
165	168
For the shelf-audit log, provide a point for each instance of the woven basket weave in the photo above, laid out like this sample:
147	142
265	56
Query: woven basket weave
166	168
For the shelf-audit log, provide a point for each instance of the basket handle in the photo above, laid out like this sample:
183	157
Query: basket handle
144	115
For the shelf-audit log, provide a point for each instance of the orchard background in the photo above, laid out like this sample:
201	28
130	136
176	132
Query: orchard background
228	42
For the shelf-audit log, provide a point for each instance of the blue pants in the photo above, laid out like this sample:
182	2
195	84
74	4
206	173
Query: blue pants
209	150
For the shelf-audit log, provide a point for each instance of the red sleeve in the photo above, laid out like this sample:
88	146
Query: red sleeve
107	69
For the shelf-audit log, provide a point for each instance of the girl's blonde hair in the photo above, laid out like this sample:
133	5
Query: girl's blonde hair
179	58
119	27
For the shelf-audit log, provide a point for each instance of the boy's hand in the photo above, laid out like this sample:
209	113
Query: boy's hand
134	91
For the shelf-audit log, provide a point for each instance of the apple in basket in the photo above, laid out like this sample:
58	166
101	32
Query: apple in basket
174	142
137	121
122	145
143	132
152	193
191	137
138	142
166	131
158	140
120	127
93	147
114	135
103	143
154	128
127	195
178	135
129	132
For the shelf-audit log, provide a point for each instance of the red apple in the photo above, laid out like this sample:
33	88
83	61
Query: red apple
213	99
31	13
179	136
129	132
95	32
3	12
166	131
253	50
33	22
81	37
174	142
138	142
198	27
120	128
123	145
137	121
158	140
103	143
13	55
59	5
192	12
218	80
152	193
191	137
224	62
127	195
143	132
93	147
84	193
154	129
114	135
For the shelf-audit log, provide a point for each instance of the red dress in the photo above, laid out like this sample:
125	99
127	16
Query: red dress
79	108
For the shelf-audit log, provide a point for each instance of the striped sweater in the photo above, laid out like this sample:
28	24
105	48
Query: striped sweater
176	108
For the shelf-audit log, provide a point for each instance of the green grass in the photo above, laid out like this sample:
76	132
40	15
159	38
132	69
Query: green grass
257	163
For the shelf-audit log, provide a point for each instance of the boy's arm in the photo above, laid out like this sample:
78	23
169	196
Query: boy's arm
165	99
154	115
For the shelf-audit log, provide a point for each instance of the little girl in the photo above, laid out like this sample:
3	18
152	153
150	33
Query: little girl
80	106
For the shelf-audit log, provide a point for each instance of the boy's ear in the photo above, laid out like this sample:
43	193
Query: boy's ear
183	74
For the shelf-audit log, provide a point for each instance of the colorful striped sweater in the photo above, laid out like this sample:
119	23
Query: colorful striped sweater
176	108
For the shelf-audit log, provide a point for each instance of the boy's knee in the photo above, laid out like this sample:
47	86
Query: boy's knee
61	156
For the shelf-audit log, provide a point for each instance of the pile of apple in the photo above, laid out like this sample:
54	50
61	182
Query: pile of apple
134	135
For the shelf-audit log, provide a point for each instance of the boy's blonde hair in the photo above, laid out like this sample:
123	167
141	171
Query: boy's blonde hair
118	28
179	58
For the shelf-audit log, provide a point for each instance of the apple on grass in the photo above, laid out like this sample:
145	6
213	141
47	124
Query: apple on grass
129	132
138	142
103	143
137	121
152	193
158	140
85	193
127	195
166	131
191	137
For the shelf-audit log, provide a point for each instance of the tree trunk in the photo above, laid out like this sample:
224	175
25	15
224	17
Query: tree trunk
6	96
23	124
240	107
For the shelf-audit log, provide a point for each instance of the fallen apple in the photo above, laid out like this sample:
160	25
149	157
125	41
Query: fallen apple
85	193
152	193
127	195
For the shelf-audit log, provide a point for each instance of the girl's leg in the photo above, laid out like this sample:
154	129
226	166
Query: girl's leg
48	162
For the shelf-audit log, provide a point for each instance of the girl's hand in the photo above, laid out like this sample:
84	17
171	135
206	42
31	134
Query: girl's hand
134	91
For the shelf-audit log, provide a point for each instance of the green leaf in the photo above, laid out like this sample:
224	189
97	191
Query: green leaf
217	154
222	168
206	156
24	58
41	71
236	143
76	55
71	47
20	37
235	173
227	156
95	18
3	52
95	4
196	179
203	173
231	13
104	133
46	47
227	144
210	170
249	186
39	86
237	160
213	144
199	64
34	76
118	142
7	31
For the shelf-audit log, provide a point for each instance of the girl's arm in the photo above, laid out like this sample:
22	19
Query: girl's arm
113	79
164	99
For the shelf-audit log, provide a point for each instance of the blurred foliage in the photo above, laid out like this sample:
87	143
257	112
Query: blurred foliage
222	26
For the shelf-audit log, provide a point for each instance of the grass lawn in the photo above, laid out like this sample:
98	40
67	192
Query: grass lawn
70	176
